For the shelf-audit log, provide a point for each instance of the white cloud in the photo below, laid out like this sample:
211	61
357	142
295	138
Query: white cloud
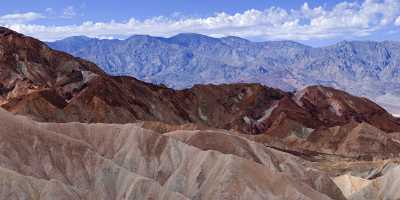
344	19
69	12
397	22
20	18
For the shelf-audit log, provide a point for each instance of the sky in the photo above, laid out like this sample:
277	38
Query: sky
313	22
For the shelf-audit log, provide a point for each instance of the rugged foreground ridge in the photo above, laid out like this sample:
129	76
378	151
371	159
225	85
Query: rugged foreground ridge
99	161
110	161
236	141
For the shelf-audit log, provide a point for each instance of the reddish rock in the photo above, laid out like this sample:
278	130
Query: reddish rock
52	86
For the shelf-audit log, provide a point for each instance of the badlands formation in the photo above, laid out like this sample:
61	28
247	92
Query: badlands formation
70	131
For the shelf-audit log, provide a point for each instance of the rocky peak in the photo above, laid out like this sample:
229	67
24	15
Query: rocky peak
192	39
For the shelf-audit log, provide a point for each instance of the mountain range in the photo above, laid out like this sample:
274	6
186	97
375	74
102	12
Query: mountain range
69	130
363	68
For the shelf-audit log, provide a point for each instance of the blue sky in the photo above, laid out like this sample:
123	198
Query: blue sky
315	22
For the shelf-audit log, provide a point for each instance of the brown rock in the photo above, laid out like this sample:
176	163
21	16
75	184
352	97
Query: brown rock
102	161
48	85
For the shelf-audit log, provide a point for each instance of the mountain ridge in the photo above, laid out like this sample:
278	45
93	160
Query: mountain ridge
53	86
117	137
363	68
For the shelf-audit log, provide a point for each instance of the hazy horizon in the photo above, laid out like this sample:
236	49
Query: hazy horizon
251	40
314	22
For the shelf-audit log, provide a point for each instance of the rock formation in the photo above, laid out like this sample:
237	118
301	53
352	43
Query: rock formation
82	134
106	161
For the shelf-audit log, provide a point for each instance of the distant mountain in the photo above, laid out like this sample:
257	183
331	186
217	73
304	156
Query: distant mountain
49	85
367	68
227	141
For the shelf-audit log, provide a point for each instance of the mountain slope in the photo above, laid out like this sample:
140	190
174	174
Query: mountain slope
362	68
80	161
48	85
228	141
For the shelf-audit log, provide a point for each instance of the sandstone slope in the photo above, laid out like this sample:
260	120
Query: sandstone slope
101	161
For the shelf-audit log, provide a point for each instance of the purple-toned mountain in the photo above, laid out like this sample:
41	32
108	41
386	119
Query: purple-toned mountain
367	68
145	141
48	85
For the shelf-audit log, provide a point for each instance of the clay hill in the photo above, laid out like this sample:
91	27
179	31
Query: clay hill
49	85
88	135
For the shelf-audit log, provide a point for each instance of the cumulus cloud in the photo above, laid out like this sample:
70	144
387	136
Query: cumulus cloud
304	23
20	18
